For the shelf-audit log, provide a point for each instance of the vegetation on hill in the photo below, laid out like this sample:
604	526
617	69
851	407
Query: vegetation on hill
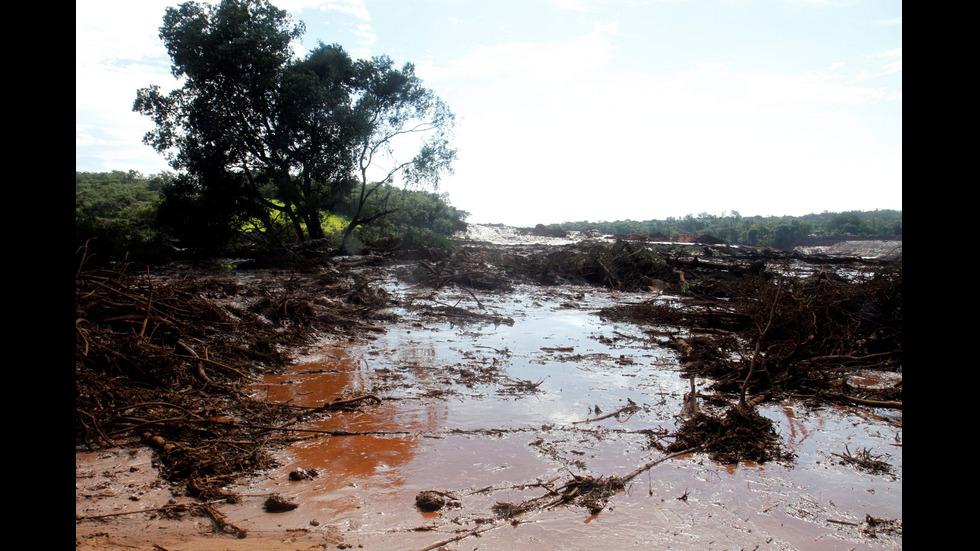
122	214
780	232
116	212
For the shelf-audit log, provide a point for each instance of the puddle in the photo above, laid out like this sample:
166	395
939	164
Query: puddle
487	413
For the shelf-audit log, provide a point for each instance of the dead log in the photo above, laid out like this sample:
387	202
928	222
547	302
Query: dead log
872	403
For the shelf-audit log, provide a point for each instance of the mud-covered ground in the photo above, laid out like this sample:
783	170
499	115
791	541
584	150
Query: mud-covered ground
550	393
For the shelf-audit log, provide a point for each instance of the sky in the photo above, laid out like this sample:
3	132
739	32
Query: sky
598	110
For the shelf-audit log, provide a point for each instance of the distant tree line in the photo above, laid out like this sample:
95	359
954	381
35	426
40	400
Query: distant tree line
781	232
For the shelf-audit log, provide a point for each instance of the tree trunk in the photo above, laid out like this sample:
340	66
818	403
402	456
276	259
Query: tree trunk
294	218
346	238
313	227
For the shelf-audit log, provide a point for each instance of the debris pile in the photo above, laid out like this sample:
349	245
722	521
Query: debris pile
165	362
770	333
589	492
740	435
786	334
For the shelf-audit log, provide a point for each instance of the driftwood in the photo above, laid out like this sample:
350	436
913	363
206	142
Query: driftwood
589	492
350	401
630	408
206	509
461	314
873	403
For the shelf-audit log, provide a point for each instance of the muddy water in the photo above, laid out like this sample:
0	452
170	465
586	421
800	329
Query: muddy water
488	412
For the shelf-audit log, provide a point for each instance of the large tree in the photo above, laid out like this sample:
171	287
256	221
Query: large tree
399	111
259	135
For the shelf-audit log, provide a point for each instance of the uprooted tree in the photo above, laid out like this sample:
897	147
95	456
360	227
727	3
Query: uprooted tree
267	143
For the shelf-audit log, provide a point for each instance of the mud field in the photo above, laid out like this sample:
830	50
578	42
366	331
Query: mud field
526	392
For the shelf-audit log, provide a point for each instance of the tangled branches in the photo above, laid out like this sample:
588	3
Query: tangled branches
819	329
769	333
742	434
153	363
165	362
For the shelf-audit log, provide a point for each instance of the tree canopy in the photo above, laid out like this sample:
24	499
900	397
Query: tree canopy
267	142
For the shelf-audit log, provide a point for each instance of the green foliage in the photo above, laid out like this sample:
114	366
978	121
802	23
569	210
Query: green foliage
692	287
265	144
125	214
398	108
333	224
845	223
414	218
212	220
115	215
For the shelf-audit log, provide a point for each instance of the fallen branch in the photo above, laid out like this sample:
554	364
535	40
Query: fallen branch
318	431
646	467
149	304
873	403
165	508
758	345
865	460
849	357
629	408
349	401
474	532
576	488
219	520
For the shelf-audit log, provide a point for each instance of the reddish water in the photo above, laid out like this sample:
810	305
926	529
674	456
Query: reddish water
442	425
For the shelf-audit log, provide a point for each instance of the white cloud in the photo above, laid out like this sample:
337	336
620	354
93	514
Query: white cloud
357	8
528	61
578	5
809	87
365	33
893	67
623	145
117	52
885	69
587	5
113	30
607	27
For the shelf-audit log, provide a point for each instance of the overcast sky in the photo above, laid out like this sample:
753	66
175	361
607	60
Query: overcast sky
587	109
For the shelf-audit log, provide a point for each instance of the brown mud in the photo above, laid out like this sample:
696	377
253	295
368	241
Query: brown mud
568	396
